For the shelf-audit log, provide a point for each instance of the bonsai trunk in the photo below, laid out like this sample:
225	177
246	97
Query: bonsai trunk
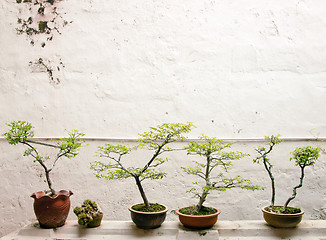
202	199
294	194
141	190
138	182
47	175
208	185
268	168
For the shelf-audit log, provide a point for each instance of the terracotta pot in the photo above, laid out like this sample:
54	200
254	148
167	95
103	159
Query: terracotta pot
148	220
52	212
198	222
96	221
282	220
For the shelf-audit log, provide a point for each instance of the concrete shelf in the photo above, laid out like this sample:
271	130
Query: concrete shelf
126	230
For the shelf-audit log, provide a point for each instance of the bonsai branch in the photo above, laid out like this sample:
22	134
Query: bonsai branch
21	131
220	162
57	158
200	174
44	144
47	171
294	194
155	155
272	141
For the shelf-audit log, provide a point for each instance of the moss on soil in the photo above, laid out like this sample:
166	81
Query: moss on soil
281	210
203	211
153	207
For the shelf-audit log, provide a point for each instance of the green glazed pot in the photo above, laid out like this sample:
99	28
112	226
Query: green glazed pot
282	220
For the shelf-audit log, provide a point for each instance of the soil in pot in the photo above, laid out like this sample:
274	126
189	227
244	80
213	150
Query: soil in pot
278	217
204	219
148	218
52	211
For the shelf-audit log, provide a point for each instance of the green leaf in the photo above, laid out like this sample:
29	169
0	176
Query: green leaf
70	146
19	132
110	170
305	156
166	133
108	149
153	174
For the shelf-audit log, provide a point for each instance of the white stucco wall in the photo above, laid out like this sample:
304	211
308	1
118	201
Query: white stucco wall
236	69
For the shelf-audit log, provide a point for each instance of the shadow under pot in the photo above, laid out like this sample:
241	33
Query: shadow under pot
282	220
148	220
52	211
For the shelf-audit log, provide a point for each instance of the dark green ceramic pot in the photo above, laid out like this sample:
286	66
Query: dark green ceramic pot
148	220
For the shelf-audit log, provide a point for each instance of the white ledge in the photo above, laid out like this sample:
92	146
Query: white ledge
112	139
126	230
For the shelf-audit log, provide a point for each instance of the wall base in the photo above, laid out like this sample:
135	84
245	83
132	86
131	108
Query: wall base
125	230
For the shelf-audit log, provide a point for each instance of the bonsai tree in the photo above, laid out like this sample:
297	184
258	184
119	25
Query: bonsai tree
263	156
87	213
21	132
303	157
212	171
156	140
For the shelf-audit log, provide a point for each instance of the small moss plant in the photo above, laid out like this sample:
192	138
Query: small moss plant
21	132
52	67
87	213
303	157
49	20
157	140
212	150
40	21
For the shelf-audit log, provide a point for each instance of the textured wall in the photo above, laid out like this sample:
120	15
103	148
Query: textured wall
237	69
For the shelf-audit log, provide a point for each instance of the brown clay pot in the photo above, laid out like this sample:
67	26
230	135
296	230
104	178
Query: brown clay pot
148	220
52	212
282	220
198	222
